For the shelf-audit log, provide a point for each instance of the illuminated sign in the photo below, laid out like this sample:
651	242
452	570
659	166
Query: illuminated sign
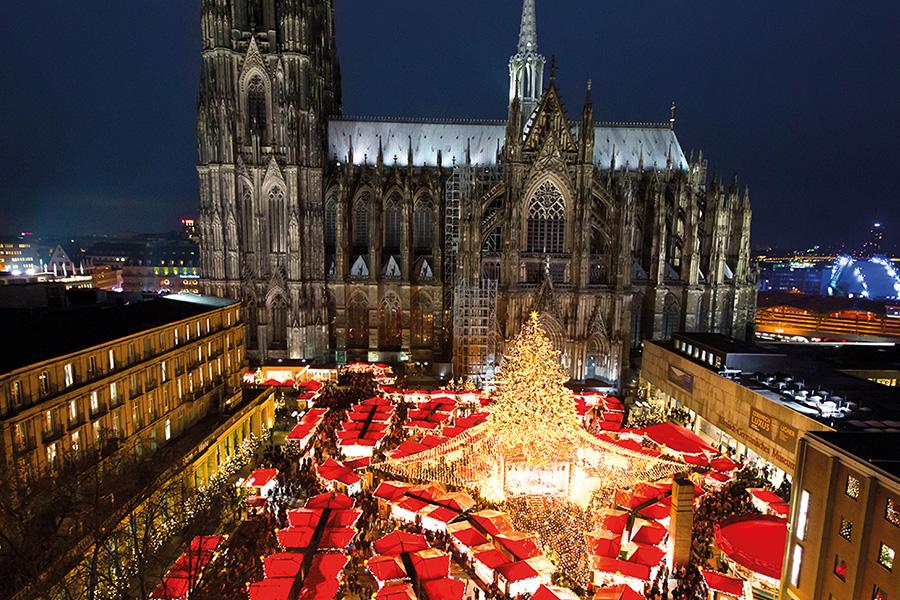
681	378
781	433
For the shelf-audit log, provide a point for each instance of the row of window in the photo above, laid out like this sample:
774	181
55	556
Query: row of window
424	219
100	364
701	354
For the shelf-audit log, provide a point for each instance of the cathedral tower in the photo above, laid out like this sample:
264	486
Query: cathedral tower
269	80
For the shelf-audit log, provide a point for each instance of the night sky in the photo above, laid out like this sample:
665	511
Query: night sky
799	98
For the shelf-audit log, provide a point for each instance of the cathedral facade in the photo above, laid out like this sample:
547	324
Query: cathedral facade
433	240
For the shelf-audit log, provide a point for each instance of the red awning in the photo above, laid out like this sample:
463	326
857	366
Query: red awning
271	589
260	477
332	470
469	537
400	542
723	465
676	438
754	541
330	500
724	583
649	532
619	592
430	564
517	571
285	564
520	545
604	543
647	555
445	589
386	568
391	490
172	588
399	591
622	567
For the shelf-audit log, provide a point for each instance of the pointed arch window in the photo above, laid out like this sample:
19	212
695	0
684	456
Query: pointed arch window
331	223
423	226
257	109
358	322
392	224
277	228
546	220
279	324
670	317
422	322
361	222
389	323
246	212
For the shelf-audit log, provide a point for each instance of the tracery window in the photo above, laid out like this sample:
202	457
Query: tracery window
392	224
246	212
422	322
671	314
546	220
279	324
257	108
330	223
423	226
358	322
277	229
389	323
361	221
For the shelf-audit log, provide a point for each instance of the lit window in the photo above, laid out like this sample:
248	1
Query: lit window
796	562
52	456
803	515
73	410
846	530
198	329
840	568
76	442
176	336
16	392
113	392
199	353
879	594
70	374
168	429
48	417
163	371
95	401
892	513
208	327
179	389
886	557
112	360
44	383
852	487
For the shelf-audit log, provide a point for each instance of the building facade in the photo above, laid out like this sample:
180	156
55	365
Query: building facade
130	393
846	519
433	240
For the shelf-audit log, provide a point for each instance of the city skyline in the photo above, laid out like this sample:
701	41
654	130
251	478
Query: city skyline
80	168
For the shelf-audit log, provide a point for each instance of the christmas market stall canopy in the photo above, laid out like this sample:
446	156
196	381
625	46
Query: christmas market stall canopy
770	503
339	477
184	575
618	592
755	542
552	592
723	584
321	583
403	557
365	428
396	591
262	481
305	429
675	439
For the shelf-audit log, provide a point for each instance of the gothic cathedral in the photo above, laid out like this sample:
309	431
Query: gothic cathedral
433	240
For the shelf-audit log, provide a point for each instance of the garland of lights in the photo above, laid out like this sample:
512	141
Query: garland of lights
127	562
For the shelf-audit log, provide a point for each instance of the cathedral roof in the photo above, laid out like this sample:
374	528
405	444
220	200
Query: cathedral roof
484	138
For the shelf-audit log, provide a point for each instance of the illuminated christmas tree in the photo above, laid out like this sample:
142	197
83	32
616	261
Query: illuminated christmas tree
533	412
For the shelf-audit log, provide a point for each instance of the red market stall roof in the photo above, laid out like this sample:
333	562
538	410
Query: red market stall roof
430	564
391	490
332	470
647	555
658	511
386	568
754	541
604	543
521	545
272	589
400	542
284	564
622	567
444	589
206	543
261	477
517	571
723	465
649	532
398	591
724	584
172	588
331	500
492	521
309	517
322	581
619	592
469	537
553	593
676	438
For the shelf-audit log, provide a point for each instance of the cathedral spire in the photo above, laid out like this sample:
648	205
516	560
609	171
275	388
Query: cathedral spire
528	29
526	66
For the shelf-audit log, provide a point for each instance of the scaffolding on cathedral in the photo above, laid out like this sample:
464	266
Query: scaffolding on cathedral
474	303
